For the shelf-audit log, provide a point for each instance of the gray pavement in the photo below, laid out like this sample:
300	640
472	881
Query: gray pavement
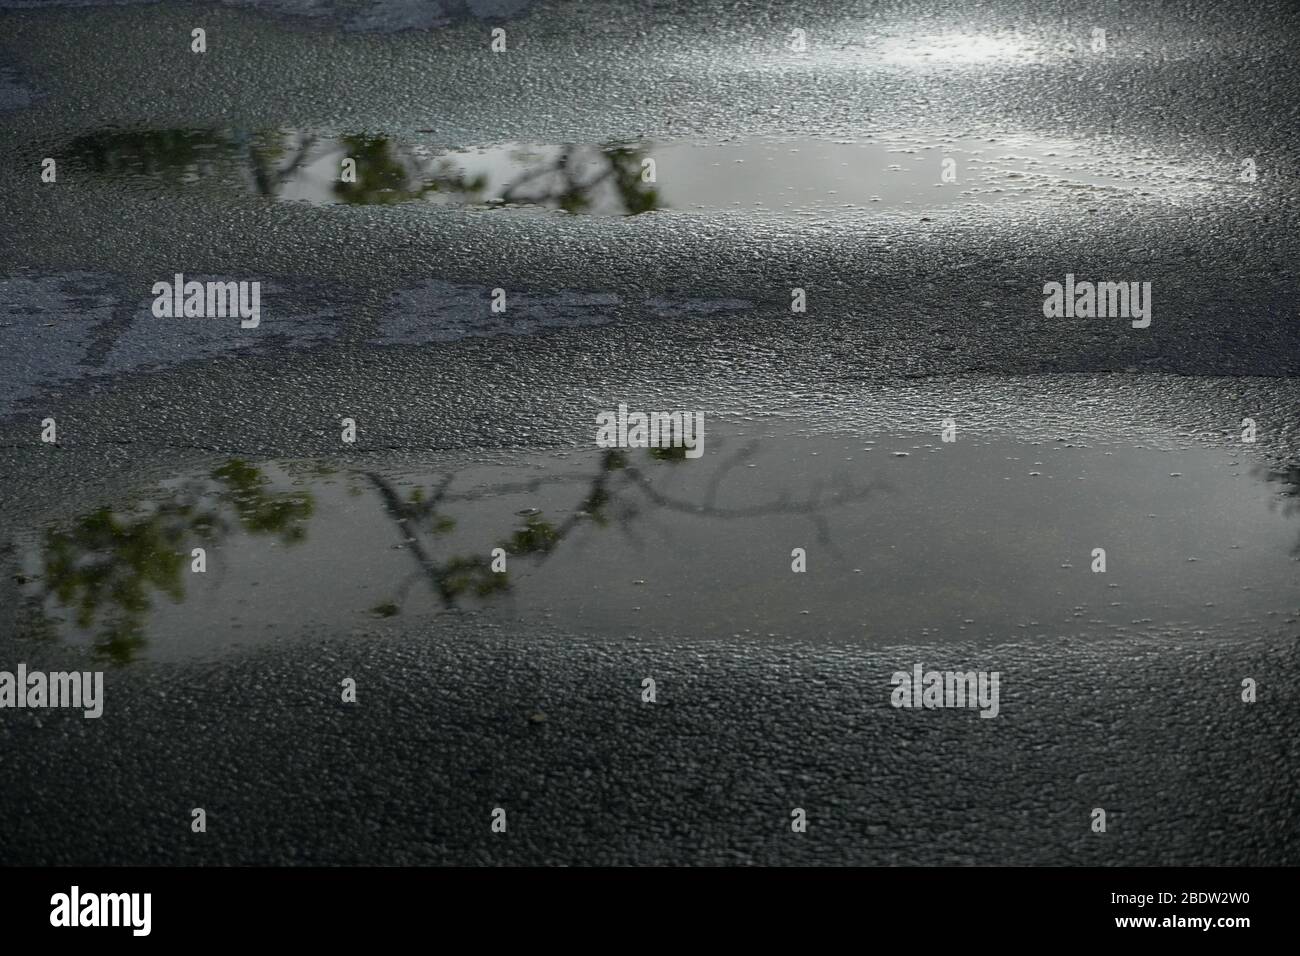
380	312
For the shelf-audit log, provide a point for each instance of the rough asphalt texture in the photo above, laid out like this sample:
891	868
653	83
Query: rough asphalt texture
907	318
446	729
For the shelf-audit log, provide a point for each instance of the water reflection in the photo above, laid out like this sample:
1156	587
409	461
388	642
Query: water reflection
587	180
620	178
904	538
105	567
171	155
388	174
1288	498
301	165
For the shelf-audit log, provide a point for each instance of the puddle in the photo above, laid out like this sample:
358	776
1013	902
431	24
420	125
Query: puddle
907	539
618	179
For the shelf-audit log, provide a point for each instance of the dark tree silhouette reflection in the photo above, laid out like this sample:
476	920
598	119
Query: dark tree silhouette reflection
604	179
586	179
388	173
170	155
105	567
108	566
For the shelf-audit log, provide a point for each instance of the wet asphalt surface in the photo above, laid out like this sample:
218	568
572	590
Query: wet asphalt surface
912	315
